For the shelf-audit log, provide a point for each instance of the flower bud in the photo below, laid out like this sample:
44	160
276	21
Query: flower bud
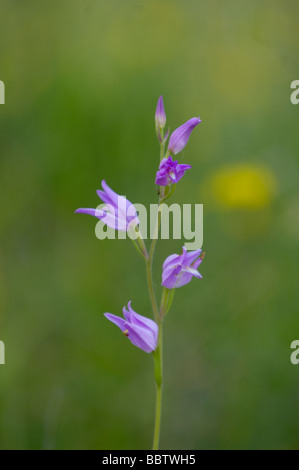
179	138
160	116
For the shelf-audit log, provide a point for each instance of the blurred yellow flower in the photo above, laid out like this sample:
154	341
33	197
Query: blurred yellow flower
243	186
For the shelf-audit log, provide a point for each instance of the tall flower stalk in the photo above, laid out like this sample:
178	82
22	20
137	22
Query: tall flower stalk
178	270
158	353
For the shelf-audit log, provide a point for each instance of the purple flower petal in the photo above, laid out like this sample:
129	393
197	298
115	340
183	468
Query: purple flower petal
171	261
105	198
183	279
162	179
180	170
142	338
110	193
194	272
191	256
114	222
116	320
197	263
170	276
86	211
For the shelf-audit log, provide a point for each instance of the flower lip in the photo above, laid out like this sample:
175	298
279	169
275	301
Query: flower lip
170	171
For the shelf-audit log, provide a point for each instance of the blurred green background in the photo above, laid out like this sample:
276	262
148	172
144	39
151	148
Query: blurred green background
82	81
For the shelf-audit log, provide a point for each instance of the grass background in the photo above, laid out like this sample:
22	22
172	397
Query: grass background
82	80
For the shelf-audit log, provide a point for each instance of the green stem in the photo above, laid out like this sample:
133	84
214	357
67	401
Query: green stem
158	418
151	288
162	146
158	353
158	362
149	263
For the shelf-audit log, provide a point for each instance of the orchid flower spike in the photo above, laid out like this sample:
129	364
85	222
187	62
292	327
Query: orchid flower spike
141	331
179	138
170	172
178	270
118	213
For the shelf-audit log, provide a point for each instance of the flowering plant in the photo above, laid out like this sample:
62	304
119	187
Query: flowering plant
120	214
